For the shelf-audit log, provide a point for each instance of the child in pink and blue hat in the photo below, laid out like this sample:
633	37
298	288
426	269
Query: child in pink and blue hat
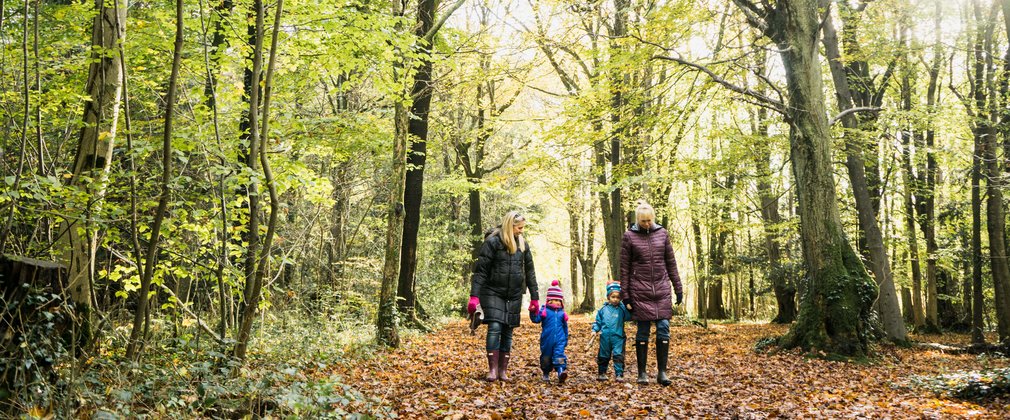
554	336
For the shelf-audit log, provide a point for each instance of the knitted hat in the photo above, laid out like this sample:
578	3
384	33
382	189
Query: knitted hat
555	292
613	287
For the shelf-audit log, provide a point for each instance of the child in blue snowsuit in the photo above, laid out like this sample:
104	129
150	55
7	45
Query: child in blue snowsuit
609	325
554	336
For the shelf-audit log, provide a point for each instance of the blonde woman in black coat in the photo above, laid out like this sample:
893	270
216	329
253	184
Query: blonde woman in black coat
503	270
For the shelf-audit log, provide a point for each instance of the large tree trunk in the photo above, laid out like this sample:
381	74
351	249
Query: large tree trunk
417	130
887	301
94	156
619	82
839	295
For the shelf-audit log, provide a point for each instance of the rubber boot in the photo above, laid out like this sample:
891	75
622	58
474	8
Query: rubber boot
545	368
642	354
503	366
662	353
601	363
492	365
561	365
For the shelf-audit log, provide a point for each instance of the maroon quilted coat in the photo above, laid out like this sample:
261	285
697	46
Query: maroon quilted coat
647	269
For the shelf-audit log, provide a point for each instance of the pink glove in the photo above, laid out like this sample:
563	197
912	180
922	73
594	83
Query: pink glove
534	305
472	306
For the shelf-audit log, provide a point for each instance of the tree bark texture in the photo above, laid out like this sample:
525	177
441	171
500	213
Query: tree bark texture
839	294
93	158
417	137
880	266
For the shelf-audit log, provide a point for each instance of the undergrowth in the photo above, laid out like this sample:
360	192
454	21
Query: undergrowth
974	386
186	376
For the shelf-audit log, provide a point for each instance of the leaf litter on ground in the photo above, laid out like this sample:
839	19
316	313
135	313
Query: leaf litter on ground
715	372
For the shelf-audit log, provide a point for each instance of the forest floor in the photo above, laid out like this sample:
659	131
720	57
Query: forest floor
715	371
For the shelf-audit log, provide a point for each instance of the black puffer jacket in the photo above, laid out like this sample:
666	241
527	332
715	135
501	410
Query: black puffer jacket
499	279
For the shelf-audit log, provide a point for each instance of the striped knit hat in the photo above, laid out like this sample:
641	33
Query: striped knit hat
613	287
555	292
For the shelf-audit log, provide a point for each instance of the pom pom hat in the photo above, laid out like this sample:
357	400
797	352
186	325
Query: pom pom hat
555	292
613	287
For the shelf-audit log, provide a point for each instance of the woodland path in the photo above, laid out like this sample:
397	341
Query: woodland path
715	373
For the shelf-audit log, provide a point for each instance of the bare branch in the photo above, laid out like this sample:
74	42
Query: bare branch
852	110
428	37
754	14
773	104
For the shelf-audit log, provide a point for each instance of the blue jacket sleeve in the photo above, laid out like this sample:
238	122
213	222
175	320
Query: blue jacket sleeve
535	315
564	337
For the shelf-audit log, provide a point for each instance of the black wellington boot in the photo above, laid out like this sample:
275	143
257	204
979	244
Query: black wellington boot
662	353
641	355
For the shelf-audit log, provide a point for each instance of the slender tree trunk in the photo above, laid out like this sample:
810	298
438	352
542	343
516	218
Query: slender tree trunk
258	151
575	243
132	350
978	325
918	311
718	236
587	260
887	300
785	291
927	205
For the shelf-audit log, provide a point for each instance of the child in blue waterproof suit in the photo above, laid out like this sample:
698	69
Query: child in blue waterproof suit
554	336
609	325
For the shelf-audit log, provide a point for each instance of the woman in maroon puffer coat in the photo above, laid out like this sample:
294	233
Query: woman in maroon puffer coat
648	268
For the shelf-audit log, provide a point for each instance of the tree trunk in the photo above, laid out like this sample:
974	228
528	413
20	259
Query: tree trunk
839	295
717	249
386	324
887	300
93	158
906	305
574	247
136	341
257	150
417	136
619	82
927	193
909	194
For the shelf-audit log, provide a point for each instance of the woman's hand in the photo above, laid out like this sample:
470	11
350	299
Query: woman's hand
472	306
534	305
627	304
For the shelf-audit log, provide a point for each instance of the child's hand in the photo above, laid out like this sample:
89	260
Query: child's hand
534	305
471	306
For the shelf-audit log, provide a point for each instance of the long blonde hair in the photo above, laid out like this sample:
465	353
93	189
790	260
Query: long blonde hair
506	232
